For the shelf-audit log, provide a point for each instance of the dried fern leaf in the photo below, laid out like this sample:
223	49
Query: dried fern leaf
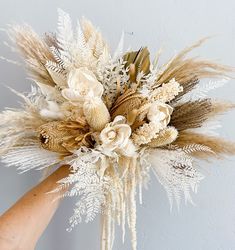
219	146
175	171
191	148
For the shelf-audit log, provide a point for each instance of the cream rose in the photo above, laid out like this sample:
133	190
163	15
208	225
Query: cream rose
116	137
160	113
82	85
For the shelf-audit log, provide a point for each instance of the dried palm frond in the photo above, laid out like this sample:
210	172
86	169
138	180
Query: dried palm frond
35	51
137	61
219	146
186	70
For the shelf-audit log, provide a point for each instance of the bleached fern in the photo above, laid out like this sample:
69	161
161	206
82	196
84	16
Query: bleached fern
202	90
175	171
57	73
65	34
87	184
188	149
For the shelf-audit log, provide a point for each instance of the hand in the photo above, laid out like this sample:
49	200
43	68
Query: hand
22	225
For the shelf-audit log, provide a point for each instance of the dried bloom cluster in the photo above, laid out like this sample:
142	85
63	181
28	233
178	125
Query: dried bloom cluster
112	118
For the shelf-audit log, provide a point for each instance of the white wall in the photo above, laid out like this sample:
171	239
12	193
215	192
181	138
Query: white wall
173	24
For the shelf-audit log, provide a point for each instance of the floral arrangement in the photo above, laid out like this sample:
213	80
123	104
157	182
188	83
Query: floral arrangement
112	118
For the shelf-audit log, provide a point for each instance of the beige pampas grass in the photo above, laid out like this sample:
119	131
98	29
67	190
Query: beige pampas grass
35	51
165	137
96	113
219	146
186	70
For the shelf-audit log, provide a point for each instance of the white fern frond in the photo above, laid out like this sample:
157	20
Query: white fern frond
202	90
65	30
174	170
188	149
87	184
57	56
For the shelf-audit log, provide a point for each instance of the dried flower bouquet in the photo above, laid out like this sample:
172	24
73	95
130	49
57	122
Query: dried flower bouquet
112	118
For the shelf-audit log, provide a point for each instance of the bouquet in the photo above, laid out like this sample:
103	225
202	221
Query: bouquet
113	118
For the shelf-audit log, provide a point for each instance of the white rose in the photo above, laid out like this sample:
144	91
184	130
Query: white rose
116	134
116	137
82	84
160	113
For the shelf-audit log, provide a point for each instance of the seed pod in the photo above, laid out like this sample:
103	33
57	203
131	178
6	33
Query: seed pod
126	103
63	137
127	106
96	113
